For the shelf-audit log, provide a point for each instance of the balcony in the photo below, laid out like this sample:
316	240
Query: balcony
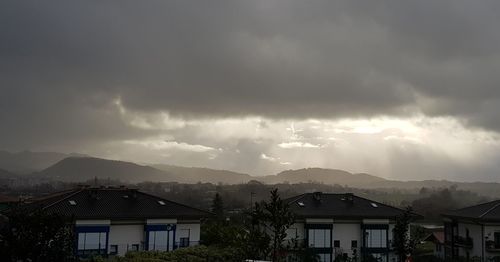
463	241
492	246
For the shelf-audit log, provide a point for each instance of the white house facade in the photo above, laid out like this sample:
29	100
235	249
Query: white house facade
340	226
473	233
113	221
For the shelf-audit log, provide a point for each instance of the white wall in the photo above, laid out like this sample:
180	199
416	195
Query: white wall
194	232
92	222
489	231
123	235
346	233
296	230
476	235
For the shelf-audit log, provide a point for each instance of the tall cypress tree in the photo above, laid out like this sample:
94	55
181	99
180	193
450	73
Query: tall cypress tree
218	207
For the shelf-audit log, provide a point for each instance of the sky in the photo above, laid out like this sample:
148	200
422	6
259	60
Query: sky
404	90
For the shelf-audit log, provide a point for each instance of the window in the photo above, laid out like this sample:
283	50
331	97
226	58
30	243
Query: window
336	243
354	244
319	238
376	238
134	247
496	236
184	237
92	242
325	257
160	237
184	242
113	249
158	240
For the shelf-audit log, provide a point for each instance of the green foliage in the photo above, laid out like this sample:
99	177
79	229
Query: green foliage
218	207
428	258
223	234
260	236
432	203
274	217
36	236
403	243
191	254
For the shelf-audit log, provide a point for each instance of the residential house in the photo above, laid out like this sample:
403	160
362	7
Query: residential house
7	201
473	233
112	221
437	238
344	226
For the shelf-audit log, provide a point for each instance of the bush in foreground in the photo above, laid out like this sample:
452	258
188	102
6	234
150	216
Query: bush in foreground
192	254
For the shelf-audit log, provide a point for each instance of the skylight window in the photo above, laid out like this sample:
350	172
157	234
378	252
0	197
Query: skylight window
301	204
72	202
161	202
374	205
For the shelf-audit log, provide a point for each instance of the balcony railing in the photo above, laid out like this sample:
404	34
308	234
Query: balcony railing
492	246
463	241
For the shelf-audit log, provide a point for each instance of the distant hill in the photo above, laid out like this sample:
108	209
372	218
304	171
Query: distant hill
322	175
482	188
78	169
4	174
27	162
206	175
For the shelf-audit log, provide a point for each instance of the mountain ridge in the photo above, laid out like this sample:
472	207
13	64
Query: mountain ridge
82	168
26	162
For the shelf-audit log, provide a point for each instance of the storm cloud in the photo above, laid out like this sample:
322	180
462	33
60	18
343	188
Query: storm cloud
79	74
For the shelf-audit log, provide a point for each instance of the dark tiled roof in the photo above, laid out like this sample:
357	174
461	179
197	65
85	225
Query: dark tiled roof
340	206
115	203
489	211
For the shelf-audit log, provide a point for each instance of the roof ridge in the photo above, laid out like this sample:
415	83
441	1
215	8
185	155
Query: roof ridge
295	198
386	205
184	205
64	198
489	210
476	205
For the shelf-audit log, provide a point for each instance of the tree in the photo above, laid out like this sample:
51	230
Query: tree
275	217
36	236
403	242
218	207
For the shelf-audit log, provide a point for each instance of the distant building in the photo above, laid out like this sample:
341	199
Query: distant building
112	221
473	233
438	239
344	225
7	201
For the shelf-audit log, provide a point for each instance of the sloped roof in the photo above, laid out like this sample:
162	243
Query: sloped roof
340	206
436	237
115	203
489	211
8	199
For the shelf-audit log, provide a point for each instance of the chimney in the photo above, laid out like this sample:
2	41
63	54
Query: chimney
348	198
93	193
133	193
317	196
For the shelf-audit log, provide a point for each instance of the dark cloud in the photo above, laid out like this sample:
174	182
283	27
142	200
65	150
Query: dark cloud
64	64
279	58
